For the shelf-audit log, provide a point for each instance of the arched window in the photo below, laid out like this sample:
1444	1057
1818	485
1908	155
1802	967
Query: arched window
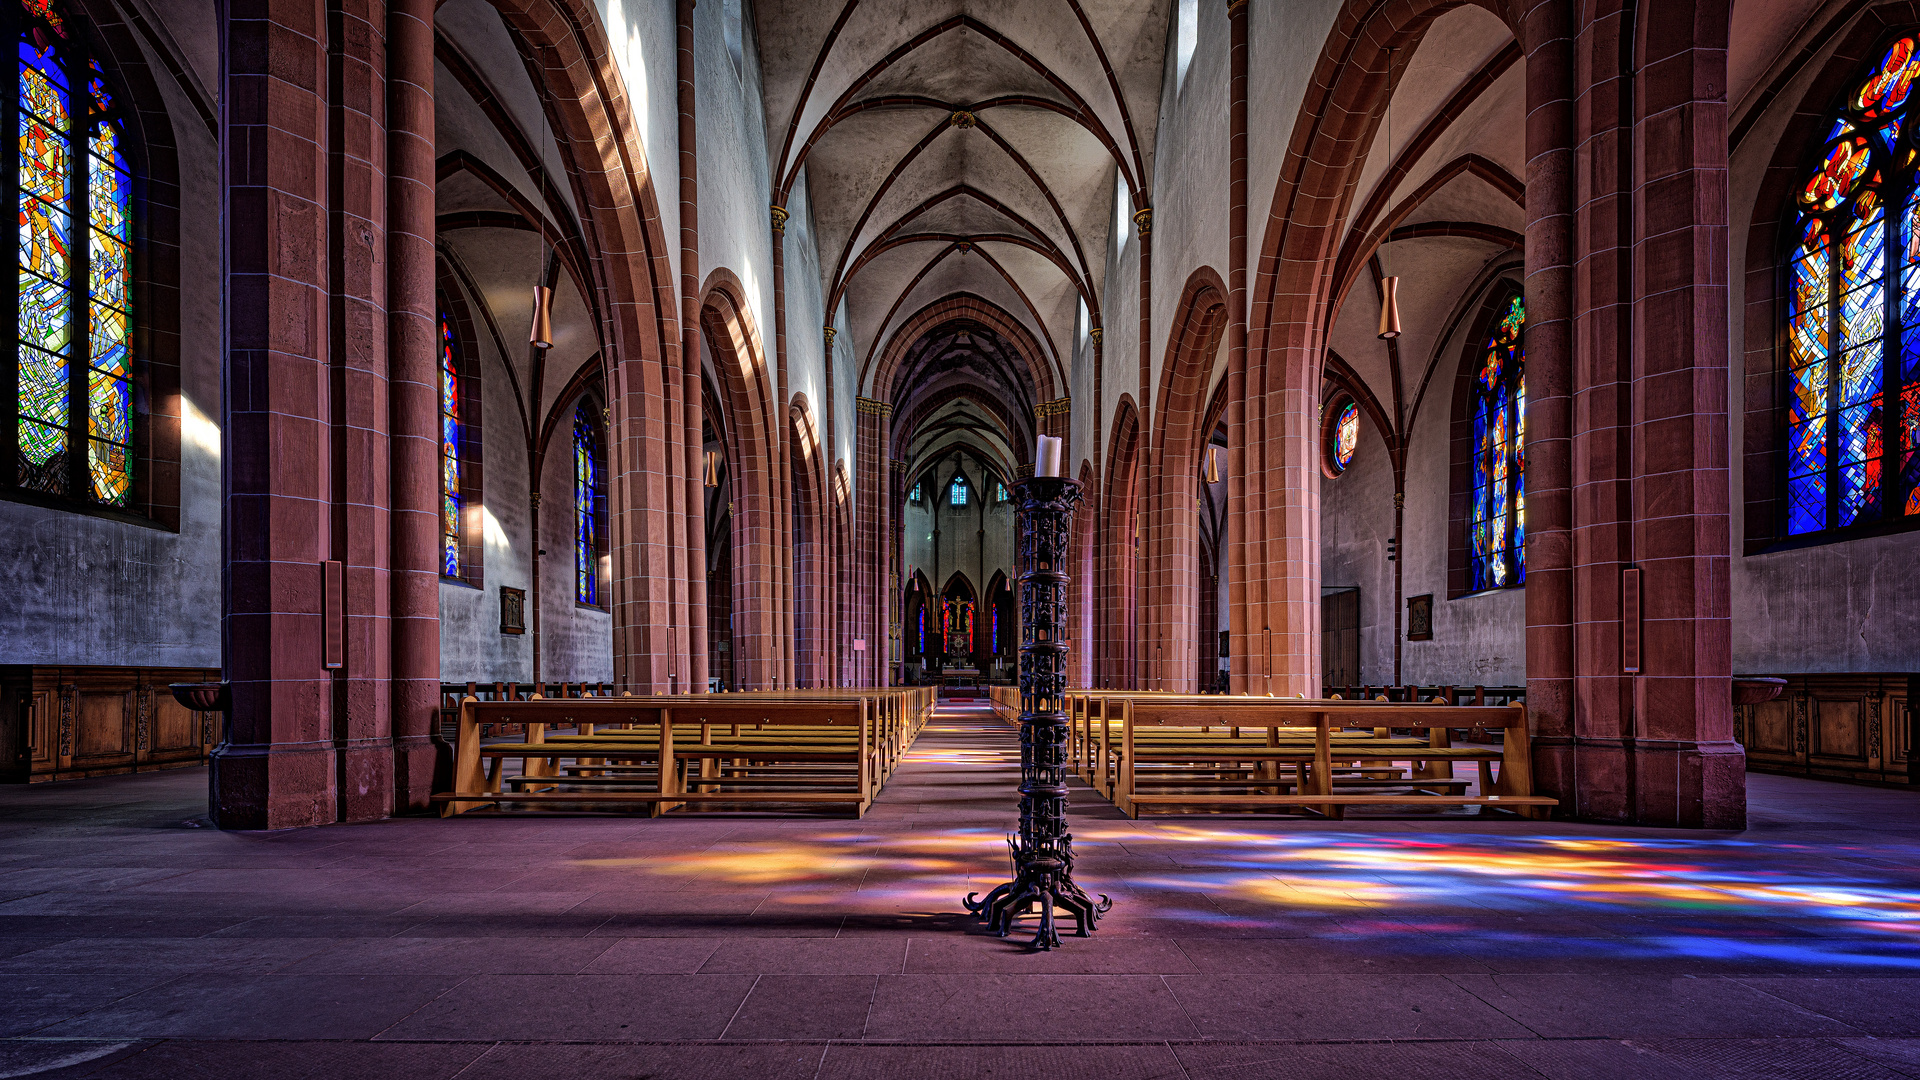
589	504
1340	434
452	434
1846	314
74	414
1497	525
957	494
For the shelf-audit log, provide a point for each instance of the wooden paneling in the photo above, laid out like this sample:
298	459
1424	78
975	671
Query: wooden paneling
1837	726
61	723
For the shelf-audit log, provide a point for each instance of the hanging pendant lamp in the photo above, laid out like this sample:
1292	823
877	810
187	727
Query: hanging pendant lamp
1389	308
713	468
1389	286
541	337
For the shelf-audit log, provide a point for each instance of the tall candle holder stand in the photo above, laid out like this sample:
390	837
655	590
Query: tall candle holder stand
1043	850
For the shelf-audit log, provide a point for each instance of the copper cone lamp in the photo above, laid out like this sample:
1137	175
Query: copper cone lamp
1389	308
712	471
1212	473
542	335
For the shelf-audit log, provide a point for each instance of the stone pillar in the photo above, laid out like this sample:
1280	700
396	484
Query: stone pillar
358	447
871	591
1232	553
276	768
1687	770
413	400
1547	35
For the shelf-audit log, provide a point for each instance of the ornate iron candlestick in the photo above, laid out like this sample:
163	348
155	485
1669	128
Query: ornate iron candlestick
1043	852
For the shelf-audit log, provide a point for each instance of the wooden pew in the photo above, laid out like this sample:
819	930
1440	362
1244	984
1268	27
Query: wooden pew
1309	737
841	740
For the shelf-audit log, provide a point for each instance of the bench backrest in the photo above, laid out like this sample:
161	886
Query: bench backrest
691	709
1282	712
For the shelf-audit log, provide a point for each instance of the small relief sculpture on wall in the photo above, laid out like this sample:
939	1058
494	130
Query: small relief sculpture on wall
1420	617
513	610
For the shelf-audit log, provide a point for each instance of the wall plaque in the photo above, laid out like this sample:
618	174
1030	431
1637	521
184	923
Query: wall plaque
513	610
1420	617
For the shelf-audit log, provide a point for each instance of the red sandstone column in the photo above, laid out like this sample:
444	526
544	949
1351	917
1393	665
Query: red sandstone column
1547	36
413	400
1233	558
690	655
275	769
358	443
1601	432
1687	768
870	549
1146	464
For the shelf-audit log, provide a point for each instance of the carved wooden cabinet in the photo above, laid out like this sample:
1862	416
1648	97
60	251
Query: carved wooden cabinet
1835	726
61	723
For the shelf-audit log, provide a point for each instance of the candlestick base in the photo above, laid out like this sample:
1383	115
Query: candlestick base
1043	880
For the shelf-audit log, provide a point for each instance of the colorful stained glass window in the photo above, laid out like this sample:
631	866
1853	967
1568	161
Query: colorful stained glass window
1343	435
1497	529
1852	345
586	489
73	414
957	494
451	497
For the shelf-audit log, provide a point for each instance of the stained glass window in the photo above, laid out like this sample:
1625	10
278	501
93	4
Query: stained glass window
914	495
1497	530
1853	328
451	497
73	413
587	485
1340	434
957	494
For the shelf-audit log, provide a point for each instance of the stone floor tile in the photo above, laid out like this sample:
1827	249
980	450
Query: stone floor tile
805	1007
863	955
1349	1061
737	1061
1875	1006
162	956
1408	952
1096	955
996	1008
205	1006
1644	1006
222	1060
34	1003
579	1008
454	956
652	955
1241	1007
1148	1061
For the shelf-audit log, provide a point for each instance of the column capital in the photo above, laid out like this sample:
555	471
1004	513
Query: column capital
1095	335
872	407
779	218
830	332
1143	220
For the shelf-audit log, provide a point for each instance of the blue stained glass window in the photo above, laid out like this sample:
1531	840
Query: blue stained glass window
73	411
957	494
588	483
451	497
1848	316
1497	508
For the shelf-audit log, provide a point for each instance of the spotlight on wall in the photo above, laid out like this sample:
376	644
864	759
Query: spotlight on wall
542	335
712	471
1211	473
1389	308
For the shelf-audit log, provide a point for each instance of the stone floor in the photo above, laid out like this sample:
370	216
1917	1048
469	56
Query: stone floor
136	942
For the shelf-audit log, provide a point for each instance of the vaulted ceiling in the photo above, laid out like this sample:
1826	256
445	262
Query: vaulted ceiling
963	148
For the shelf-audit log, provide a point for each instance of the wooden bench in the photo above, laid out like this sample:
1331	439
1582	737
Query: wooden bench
635	750
1146	743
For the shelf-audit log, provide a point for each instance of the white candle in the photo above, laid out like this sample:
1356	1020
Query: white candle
1046	457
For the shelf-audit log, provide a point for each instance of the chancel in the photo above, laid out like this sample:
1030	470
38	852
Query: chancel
1175	538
